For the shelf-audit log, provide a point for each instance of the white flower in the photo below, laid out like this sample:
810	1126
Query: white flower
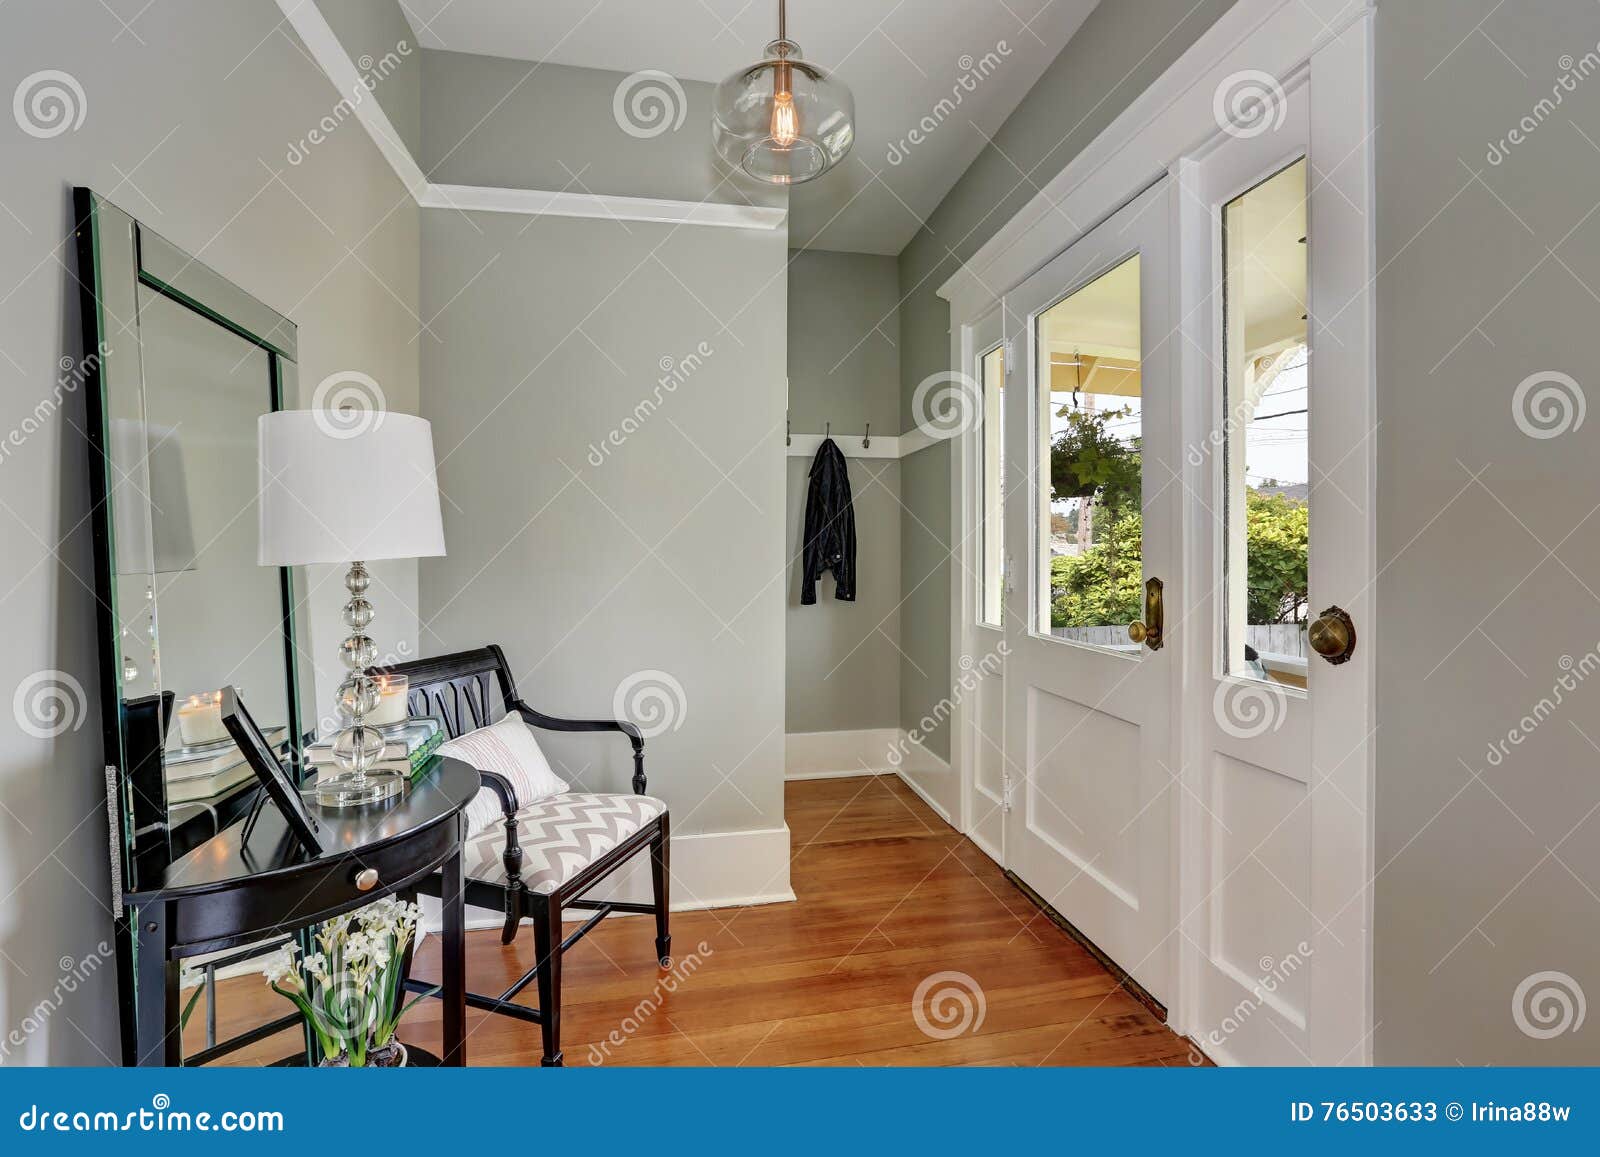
317	965
274	966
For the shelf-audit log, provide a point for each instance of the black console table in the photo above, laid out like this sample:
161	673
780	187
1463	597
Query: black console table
226	893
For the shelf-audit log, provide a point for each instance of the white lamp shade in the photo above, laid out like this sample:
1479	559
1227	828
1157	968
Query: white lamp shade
333	495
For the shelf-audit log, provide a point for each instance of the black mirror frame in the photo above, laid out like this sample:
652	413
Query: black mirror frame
116	255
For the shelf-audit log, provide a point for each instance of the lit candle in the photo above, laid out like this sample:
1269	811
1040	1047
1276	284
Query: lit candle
200	719
391	701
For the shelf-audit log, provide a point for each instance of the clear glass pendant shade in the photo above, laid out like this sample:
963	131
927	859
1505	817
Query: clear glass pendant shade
783	121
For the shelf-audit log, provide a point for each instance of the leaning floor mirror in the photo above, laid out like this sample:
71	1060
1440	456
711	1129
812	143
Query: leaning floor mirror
180	365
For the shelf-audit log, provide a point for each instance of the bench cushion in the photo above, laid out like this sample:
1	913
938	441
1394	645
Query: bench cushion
560	836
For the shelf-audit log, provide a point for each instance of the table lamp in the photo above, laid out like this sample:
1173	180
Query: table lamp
332	494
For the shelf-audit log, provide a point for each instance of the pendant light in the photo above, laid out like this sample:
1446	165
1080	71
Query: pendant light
783	120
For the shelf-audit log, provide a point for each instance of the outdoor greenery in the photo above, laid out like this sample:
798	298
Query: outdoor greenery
1275	539
1103	585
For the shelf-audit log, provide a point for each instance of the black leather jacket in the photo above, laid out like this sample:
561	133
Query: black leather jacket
830	542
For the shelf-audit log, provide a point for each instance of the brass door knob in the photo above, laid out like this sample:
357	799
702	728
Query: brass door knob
366	879
1332	635
1148	629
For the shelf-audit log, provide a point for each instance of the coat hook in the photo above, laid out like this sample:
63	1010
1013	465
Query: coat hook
866	439
827	429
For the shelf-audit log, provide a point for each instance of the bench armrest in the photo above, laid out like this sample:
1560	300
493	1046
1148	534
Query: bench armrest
552	723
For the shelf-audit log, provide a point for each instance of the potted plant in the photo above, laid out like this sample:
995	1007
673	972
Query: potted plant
349	988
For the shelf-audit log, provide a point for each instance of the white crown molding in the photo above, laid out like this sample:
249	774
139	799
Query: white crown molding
1166	120
539	203
323	44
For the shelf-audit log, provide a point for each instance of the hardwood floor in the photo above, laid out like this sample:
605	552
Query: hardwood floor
889	896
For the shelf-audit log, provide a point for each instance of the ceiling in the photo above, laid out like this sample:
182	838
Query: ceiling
901	58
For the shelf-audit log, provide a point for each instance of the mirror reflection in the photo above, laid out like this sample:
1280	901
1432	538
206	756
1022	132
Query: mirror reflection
209	614
194	610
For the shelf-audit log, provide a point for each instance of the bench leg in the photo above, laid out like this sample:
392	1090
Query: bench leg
547	947
660	877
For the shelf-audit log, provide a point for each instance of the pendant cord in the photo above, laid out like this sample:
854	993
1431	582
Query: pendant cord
783	20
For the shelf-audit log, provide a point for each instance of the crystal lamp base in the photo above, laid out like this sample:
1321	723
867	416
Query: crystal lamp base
354	788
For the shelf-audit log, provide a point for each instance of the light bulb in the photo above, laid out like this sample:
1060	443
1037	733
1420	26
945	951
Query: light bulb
785	126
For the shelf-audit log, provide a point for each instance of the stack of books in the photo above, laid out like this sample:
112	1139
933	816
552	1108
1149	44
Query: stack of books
408	746
203	772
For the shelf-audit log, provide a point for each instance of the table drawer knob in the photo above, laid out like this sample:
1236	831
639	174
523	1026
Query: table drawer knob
366	879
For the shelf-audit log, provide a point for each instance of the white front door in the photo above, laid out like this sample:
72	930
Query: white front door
1188	395
1092	503
1274	880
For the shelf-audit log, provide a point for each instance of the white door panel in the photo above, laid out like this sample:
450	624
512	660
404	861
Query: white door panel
1272	424
1088	712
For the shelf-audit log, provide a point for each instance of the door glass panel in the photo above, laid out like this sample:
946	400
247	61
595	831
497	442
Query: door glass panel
991	470
1090	529
1266	463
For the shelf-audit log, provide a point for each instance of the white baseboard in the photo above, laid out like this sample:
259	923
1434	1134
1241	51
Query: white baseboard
923	771
709	870
839	754
846	754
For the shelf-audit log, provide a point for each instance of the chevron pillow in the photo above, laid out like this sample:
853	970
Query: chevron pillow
507	748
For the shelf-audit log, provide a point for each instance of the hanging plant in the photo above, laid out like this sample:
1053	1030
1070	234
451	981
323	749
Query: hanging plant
1087	459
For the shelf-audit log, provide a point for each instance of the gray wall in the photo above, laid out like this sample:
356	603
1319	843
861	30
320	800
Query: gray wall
592	561
607	399
843	666
378	39
1489	863
1120	49
570	133
198	109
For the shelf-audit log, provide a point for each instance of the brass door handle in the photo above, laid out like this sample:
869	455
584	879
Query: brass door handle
1148	630
1332	635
